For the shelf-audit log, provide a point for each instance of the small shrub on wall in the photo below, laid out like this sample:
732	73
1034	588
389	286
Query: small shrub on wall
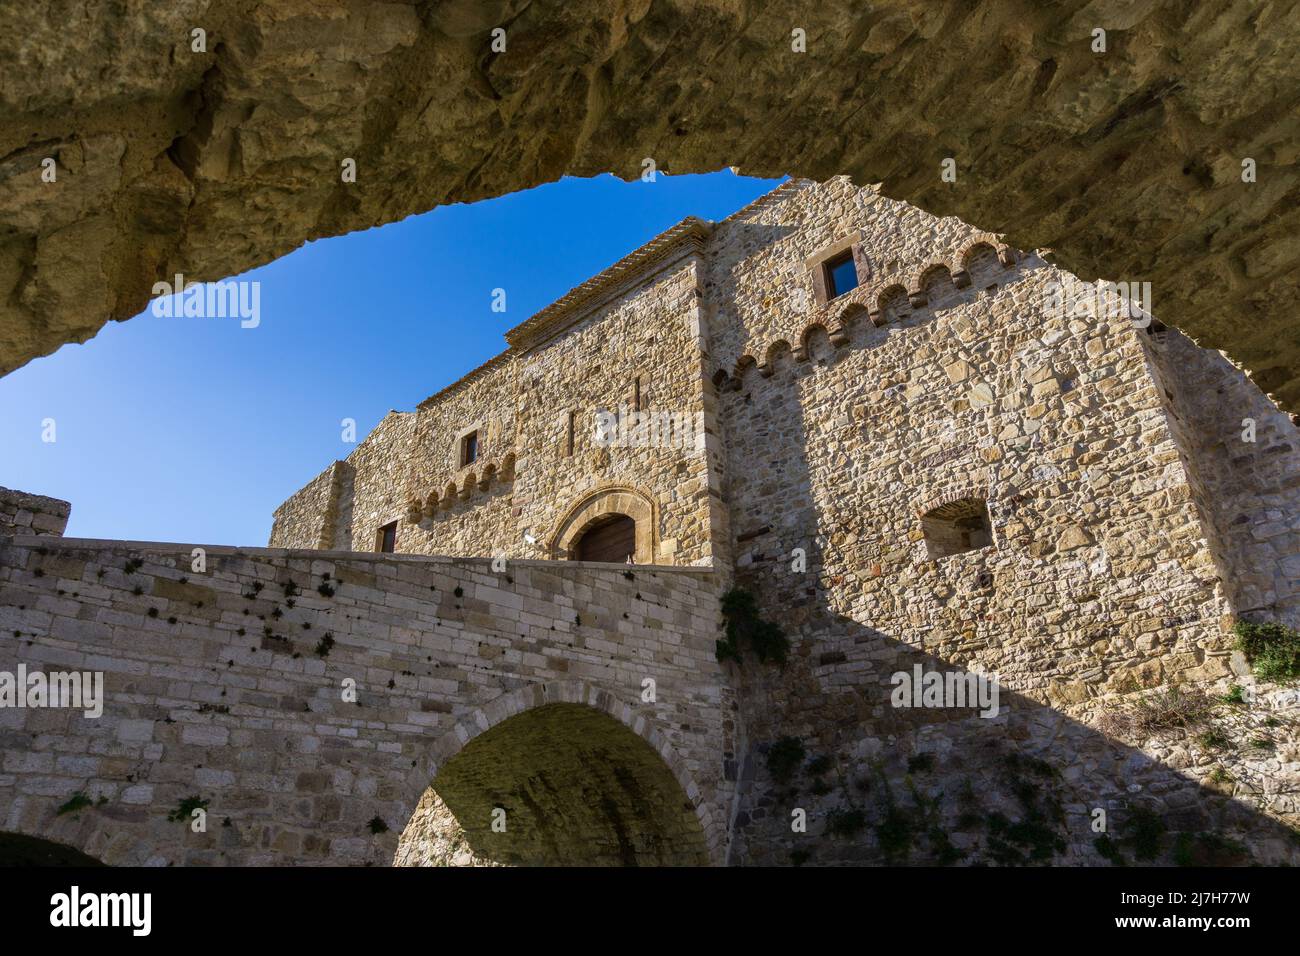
1273	649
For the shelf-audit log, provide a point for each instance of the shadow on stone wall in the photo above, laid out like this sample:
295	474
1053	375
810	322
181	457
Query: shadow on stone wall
886	785
882	784
558	785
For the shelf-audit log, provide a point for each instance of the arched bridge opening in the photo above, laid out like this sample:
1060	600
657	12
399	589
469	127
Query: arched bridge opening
562	784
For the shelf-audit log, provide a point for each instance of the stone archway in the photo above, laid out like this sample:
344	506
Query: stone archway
577	778
598	507
21	849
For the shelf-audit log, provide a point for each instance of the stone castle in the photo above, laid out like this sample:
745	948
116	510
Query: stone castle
903	439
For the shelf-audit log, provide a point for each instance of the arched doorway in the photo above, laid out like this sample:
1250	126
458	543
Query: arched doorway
611	538
562	784
599	512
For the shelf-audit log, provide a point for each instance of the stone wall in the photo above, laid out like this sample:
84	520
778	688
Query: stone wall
1244	454
310	518
22	513
944	377
229	684
972	393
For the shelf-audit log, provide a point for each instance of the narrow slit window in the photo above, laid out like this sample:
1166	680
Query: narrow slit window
569	436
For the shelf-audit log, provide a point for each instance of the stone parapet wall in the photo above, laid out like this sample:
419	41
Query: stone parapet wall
310	518
23	513
228	683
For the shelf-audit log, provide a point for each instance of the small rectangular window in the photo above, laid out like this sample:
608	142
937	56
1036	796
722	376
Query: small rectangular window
841	274
469	449
388	538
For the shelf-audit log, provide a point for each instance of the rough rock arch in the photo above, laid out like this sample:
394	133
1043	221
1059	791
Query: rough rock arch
605	501
150	183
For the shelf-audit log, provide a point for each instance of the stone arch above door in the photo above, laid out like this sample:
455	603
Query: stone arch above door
601	504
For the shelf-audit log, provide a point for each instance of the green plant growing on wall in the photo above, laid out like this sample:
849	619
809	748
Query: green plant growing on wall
744	627
1142	833
819	765
323	646
845	822
1236	695
185	809
1108	849
1208	849
784	758
78	801
1036	836
1272	649
1213	739
895	833
920	763
1148	832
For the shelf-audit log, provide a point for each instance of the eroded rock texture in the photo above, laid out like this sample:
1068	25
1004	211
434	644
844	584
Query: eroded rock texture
1127	163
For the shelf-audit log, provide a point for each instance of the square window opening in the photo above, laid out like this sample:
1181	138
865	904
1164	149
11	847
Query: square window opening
841	274
957	527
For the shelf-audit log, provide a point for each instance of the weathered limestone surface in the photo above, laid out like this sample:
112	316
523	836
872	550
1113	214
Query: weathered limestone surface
1126	163
216	687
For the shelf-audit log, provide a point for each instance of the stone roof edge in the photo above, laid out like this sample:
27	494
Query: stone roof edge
495	361
778	194
579	300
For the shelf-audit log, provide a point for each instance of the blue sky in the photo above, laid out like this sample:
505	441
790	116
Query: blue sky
195	429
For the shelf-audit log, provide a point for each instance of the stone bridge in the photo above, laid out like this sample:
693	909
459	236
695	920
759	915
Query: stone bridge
309	700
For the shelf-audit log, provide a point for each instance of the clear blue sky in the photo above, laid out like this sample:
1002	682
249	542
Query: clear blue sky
195	429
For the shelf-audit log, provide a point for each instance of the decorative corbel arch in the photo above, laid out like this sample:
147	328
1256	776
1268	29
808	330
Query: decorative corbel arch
614	499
